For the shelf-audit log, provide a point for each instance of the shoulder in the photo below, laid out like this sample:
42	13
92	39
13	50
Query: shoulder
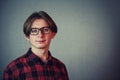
16	64
57	62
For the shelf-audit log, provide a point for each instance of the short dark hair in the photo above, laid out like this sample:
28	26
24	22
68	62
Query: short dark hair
38	15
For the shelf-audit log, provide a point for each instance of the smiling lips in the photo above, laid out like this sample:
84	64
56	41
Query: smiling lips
40	41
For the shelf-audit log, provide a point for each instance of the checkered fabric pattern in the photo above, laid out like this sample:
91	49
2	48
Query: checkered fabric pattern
30	67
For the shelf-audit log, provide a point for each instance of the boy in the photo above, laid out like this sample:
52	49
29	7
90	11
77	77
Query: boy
37	63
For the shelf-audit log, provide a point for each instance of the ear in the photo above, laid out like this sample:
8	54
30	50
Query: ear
53	35
26	37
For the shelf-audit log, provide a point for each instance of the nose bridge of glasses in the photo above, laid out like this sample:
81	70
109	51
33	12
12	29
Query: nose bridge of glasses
40	30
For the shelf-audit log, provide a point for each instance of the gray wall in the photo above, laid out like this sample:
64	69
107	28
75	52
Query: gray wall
88	40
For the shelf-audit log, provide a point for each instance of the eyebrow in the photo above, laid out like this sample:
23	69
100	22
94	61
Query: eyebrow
39	26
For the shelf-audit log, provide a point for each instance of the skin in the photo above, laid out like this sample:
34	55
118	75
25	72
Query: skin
40	43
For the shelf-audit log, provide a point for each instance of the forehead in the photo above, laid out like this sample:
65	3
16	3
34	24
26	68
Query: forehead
38	23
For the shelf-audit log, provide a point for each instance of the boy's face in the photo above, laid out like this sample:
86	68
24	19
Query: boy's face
41	40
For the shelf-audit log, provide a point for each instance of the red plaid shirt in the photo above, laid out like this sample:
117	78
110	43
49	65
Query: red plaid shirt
31	67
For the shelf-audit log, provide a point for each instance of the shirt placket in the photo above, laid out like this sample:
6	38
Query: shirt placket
46	72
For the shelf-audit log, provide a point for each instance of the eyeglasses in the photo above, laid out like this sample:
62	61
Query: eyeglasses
44	30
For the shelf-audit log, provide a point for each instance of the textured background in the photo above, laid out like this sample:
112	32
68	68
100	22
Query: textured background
88	39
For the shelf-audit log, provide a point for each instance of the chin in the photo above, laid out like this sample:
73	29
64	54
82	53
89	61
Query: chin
42	47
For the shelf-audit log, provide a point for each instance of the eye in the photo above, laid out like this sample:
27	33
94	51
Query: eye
46	29
34	31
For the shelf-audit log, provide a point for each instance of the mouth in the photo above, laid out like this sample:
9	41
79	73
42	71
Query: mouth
40	41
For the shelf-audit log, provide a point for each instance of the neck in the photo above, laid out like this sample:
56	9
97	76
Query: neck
41	53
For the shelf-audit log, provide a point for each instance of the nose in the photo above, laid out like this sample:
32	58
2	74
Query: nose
40	34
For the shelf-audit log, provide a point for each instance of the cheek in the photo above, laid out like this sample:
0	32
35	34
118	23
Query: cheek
48	39
31	39
52	35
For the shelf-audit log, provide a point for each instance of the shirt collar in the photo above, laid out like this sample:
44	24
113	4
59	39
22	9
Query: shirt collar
32	57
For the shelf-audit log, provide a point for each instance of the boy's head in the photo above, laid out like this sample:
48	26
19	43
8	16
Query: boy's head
38	15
